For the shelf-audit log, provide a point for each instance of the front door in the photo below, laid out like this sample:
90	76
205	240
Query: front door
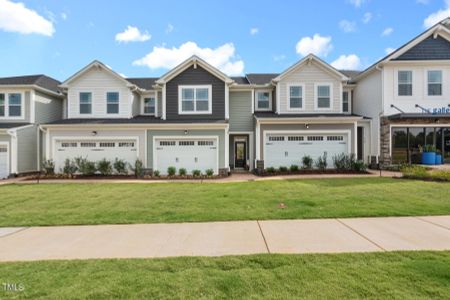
239	154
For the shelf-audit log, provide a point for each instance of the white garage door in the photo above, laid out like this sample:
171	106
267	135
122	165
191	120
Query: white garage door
95	150
288	149
191	154
4	159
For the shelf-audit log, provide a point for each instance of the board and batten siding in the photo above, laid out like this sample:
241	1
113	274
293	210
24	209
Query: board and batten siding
47	109
241	117
195	76
99	82
309	75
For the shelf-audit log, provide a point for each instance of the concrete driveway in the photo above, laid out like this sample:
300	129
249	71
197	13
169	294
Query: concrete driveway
225	238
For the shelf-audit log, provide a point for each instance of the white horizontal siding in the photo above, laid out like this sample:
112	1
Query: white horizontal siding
308	75
98	82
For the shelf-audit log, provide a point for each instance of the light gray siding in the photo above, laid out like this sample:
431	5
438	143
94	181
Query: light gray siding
194	132
241	117
47	109
136	107
4	137
159	105
27	149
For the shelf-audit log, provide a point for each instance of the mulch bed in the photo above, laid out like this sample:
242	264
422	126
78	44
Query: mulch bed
311	172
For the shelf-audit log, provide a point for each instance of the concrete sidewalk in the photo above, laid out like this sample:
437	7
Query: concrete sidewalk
225	238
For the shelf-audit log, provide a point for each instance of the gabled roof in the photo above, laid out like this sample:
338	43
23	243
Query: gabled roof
193	60
39	80
307	59
439	29
350	73
240	80
95	64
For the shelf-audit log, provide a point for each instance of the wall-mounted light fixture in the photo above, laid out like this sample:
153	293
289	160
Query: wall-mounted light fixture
185	132
307	126
94	133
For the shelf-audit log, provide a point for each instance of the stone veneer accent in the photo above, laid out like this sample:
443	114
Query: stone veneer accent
385	139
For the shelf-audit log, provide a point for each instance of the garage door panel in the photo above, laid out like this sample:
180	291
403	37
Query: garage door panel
284	149
4	159
191	154
95	150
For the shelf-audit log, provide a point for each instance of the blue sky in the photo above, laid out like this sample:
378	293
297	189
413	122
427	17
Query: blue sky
145	38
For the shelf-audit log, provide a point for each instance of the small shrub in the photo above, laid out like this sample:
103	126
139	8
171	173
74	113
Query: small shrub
104	166
70	167
171	171
85	166
359	166
196	173
429	148
344	162
209	172
120	166
182	172
156	173
414	171
283	169
321	162
307	162
294	168
138	168
49	166
270	170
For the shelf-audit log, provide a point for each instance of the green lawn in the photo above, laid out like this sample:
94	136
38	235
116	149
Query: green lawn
395	275
57	204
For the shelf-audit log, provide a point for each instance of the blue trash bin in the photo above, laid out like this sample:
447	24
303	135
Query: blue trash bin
428	158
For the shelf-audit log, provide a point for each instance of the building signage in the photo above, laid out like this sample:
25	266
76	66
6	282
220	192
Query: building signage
437	111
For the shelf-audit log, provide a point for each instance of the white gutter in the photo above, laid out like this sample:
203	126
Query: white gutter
33	86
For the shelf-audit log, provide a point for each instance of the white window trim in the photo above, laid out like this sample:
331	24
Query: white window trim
397	83
195	112
316	96
79	104
270	100
118	102
143	104
426	84
22	108
349	101
288	94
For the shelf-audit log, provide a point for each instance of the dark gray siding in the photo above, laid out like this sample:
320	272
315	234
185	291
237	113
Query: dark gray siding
197	76
429	49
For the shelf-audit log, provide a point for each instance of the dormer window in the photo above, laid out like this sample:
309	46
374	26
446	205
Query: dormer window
149	105
263	100
194	99
85	103
112	103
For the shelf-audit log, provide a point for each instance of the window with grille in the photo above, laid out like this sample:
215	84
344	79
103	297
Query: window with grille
107	144
295	138
167	143
126	144
335	138
275	138
88	144
68	145
205	143
186	143
315	138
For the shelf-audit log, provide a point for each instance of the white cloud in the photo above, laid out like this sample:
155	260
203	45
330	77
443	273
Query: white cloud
222	57
169	28
367	17
347	62
132	34
64	16
318	45
438	16
254	31
389	50
356	3
387	31
15	17
347	26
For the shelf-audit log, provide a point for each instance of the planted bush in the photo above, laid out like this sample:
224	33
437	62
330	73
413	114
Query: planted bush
307	162
359	166
321	162
156	173
138	168
70	167
283	169
171	171
270	170
182	172
104	166
49	166
344	162
209	172
120	166
196	173
293	168
85	166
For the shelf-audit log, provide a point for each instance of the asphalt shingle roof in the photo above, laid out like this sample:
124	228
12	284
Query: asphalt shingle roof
143	82
40	80
12	125
134	120
261	78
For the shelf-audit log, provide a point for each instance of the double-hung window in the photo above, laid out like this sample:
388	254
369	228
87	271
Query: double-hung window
323	96
263	100
405	83
112	103
434	83
295	97
149	105
345	106
2	105
15	104
194	99
85	103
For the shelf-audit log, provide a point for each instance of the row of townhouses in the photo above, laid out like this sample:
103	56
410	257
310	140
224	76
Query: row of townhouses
196	117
